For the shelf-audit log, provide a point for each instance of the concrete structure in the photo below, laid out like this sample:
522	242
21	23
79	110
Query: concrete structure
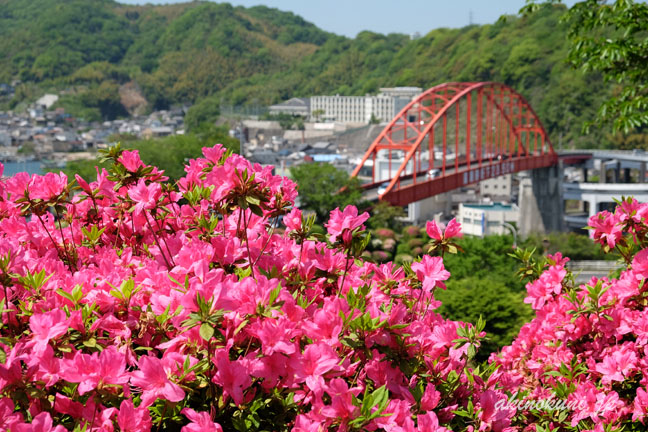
360	109
344	109
584	271
597	197
497	186
541	201
486	219
620	173
293	106
47	101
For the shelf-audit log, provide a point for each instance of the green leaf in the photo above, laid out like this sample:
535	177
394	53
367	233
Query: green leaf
206	331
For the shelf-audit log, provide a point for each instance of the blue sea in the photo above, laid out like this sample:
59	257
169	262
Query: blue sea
32	167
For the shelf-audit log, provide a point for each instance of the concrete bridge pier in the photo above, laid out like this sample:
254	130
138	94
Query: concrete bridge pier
541	201
429	208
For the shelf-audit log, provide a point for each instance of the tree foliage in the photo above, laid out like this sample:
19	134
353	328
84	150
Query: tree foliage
204	112
322	188
503	310
612	39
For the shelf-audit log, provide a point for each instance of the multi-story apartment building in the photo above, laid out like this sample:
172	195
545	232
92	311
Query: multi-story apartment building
360	109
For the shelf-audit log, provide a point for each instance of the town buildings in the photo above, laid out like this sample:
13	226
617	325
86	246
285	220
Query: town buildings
486	219
362	109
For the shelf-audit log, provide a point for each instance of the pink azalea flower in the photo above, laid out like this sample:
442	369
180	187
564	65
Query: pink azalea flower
431	272
304	424
153	378
347	220
629	209
213	154
41	423
436	232
341	401
429	422
543	289
17	184
96	370
8	418
46	326
400	416
232	376
293	220
640	405
83	184
131	419
145	197
48	186
640	264
431	398
316	360
493	418
326	323
131	160
606	228
618	365
275	335
200	422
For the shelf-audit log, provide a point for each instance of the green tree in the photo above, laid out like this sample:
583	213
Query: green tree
612	39
385	215
204	112
322	188
483	282
503	310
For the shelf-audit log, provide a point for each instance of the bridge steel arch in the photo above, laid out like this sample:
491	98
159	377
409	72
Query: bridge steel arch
455	134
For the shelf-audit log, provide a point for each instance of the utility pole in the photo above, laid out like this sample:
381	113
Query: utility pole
241	139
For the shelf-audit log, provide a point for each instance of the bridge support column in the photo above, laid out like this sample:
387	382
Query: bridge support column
541	201
429	208
593	205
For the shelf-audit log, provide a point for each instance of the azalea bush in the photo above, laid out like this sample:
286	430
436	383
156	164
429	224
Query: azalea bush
588	345
132	304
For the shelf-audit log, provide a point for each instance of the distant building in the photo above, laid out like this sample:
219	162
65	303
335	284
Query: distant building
293	106
497	186
362	109
486	219
47	101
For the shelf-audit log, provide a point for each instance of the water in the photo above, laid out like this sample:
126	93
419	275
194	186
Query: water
31	167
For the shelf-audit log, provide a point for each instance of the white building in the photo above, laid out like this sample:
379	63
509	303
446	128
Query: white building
497	186
47	101
343	109
486	219
293	106
360	109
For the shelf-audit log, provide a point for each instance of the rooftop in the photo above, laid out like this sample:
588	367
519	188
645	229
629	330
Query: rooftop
493	207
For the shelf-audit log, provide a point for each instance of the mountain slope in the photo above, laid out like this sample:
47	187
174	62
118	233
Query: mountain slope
233	55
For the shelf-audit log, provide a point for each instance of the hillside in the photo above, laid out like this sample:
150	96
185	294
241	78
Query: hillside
188	52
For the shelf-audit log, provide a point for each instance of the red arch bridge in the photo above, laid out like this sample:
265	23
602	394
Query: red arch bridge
453	135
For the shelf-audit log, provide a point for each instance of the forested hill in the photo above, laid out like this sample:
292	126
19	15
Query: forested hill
89	49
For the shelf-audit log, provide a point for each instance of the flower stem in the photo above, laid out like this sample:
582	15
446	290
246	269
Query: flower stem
246	221
346	268
61	254
156	241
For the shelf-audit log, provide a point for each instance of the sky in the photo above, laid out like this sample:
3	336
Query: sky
349	17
